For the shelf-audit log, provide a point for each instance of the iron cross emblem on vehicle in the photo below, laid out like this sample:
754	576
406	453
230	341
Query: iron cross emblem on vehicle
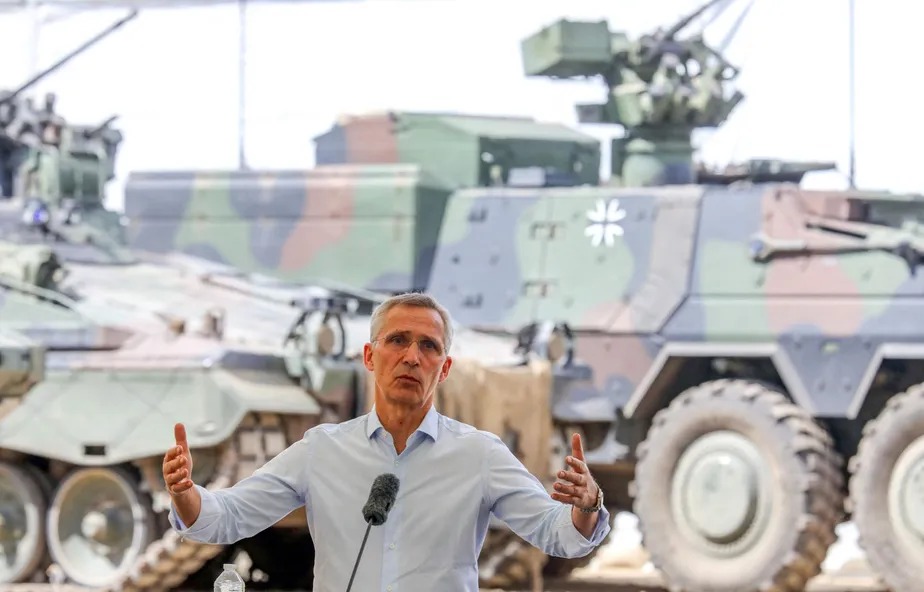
604	222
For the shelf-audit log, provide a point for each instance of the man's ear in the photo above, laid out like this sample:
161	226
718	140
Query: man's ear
367	357
444	371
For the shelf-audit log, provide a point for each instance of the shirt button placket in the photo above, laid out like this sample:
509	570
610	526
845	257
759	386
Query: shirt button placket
390	559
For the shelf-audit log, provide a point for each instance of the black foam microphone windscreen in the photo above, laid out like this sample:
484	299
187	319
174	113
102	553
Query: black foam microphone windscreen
381	498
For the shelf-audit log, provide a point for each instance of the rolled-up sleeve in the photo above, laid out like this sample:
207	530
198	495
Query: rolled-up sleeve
518	499
250	505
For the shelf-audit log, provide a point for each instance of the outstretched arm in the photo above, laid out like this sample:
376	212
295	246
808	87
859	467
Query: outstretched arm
518	499
579	490
248	507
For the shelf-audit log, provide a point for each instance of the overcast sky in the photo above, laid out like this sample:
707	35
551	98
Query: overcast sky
172	75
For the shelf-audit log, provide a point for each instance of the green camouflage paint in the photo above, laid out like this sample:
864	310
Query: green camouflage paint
299	221
380	190
675	265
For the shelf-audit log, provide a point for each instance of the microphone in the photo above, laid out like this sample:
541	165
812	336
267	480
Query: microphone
375	512
381	498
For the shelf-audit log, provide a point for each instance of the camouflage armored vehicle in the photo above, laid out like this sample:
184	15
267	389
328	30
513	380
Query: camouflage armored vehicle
757	365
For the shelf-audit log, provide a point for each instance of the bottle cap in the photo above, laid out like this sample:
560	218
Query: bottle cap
229	566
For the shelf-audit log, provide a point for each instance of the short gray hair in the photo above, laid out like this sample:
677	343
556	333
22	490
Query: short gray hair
412	299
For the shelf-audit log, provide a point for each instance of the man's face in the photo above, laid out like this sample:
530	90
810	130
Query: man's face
408	356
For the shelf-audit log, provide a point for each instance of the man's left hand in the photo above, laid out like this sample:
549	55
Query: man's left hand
579	488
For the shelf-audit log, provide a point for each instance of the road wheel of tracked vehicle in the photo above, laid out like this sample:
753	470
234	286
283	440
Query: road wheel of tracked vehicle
22	523
887	491
737	490
98	525
172	560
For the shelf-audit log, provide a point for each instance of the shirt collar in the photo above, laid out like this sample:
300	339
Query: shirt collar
429	425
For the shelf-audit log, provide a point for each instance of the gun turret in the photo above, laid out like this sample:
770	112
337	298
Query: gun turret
55	173
22	124
661	88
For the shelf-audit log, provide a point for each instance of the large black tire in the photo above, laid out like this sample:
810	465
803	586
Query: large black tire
892	445
788	530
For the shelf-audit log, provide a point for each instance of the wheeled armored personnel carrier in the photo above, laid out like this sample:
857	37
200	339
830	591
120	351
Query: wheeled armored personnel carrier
756	359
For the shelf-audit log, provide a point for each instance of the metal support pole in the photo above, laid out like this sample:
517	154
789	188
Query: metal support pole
852	174
34	12
242	85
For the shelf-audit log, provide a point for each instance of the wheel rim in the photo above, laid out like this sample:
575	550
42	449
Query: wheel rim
22	516
97	526
906	497
720	496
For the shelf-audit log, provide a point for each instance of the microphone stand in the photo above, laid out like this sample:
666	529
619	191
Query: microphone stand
361	547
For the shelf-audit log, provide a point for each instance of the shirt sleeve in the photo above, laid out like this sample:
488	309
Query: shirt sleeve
252	504
519	500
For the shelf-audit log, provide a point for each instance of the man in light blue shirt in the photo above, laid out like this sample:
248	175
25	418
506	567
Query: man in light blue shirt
452	477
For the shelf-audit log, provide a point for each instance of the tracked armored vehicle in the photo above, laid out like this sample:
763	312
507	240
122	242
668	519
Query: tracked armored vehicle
103	348
757	364
129	348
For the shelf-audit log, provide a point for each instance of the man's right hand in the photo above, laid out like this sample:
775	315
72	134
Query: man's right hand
178	478
178	464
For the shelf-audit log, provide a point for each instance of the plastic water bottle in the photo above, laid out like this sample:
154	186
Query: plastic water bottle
229	580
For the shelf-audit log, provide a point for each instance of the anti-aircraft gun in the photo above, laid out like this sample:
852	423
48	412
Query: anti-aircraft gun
53	174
